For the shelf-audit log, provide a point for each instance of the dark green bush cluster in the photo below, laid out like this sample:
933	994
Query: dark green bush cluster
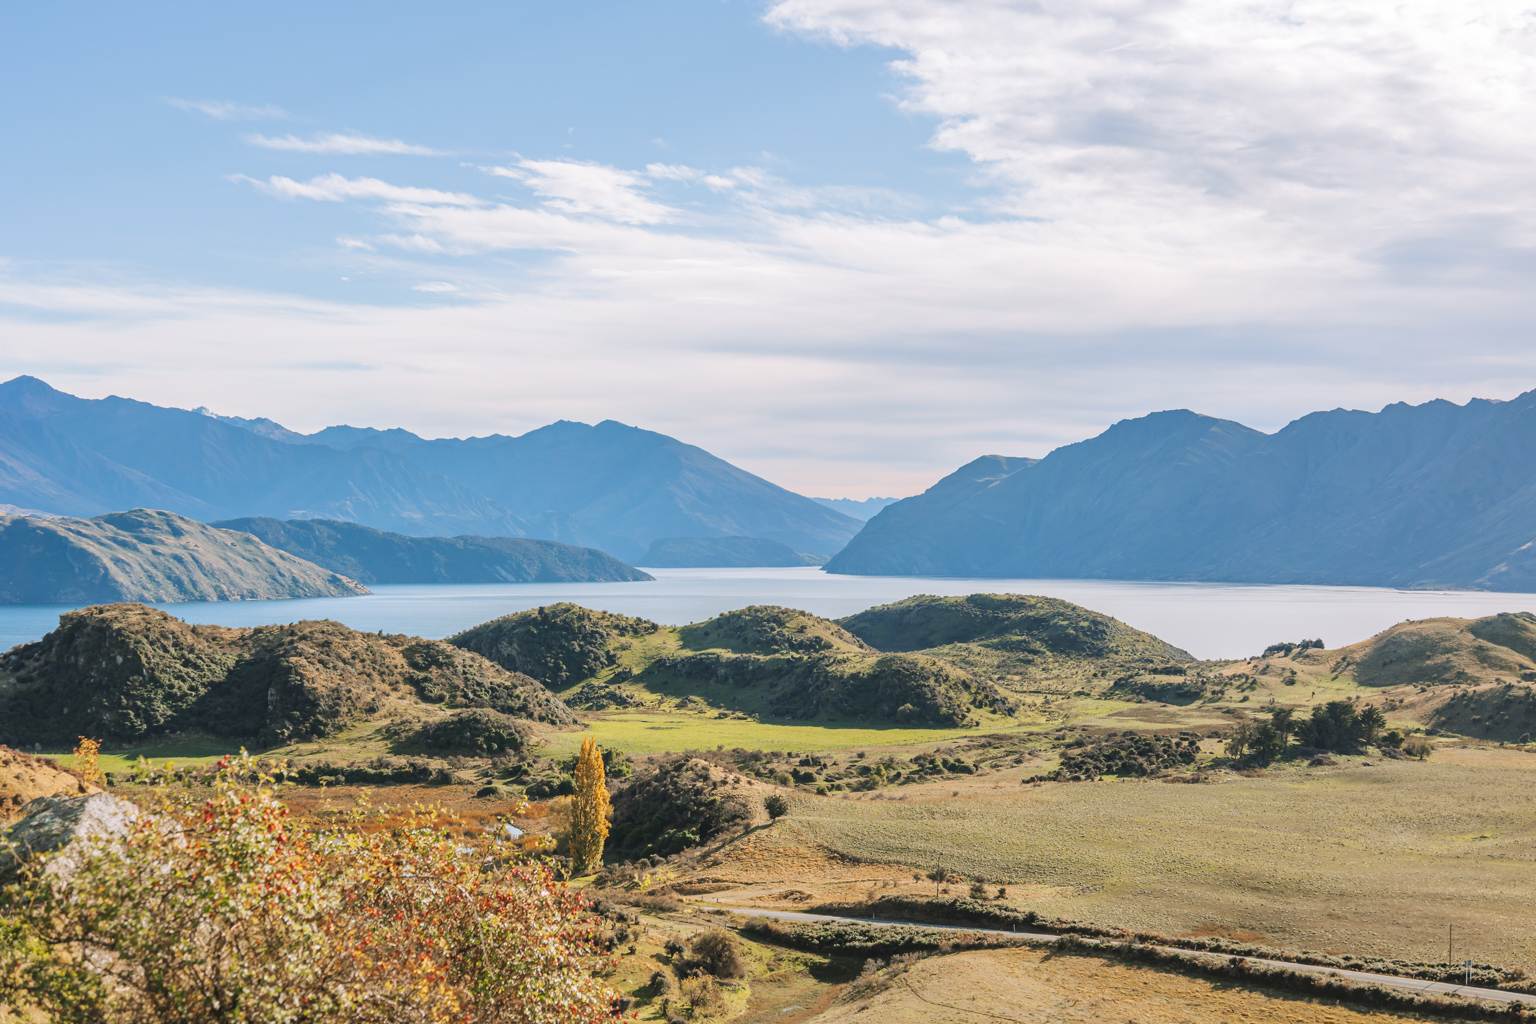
1339	726
475	732
678	803
380	771
126	672
831	773
595	696
558	644
1126	754
116	672
865	941
769	629
895	688
1288	649
546	778
1182	689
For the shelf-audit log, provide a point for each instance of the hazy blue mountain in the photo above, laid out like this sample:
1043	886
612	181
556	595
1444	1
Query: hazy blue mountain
1429	495
378	556
862	509
149	555
735	552
607	486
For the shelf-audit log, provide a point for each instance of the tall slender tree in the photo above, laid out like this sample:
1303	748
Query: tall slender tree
590	810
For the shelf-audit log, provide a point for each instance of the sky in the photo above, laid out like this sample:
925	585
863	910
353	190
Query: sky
846	244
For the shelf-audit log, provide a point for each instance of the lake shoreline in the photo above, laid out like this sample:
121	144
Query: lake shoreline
1210	620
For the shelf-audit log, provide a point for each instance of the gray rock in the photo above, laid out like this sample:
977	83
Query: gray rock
52	824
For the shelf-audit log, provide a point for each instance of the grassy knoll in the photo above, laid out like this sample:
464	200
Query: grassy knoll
1375	859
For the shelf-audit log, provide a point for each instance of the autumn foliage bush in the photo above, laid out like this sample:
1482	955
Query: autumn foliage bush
221	909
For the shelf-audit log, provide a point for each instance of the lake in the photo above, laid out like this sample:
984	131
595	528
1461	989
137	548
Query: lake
1210	620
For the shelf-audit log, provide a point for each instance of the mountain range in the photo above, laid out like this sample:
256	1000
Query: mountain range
609	486
1431	495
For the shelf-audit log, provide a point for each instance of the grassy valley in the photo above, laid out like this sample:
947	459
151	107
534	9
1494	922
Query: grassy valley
1051	762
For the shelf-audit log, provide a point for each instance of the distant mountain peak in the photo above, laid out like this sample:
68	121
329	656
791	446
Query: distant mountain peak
612	486
26	383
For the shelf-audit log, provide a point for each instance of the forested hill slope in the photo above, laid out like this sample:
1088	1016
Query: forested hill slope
1417	496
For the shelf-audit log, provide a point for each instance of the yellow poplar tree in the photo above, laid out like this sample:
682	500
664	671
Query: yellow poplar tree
88	761
590	810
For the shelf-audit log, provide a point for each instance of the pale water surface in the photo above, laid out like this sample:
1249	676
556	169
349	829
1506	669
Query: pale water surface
1211	620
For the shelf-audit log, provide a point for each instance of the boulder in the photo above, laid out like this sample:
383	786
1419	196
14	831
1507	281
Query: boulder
59	824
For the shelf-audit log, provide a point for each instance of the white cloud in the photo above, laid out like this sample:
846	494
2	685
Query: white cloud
340	143
223	110
335	188
684	173
1291	138
435	287
1180	203
591	189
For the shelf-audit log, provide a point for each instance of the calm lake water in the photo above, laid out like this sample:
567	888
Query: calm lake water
1209	620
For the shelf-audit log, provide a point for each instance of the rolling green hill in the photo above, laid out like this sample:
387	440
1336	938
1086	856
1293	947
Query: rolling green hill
125	672
1035	642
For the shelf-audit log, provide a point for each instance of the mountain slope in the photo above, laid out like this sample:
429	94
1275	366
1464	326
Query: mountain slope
609	486
738	552
146	555
378	556
1429	495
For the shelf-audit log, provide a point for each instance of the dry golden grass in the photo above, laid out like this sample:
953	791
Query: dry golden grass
1031	986
1376	860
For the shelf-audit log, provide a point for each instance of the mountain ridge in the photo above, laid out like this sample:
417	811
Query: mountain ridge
379	556
608	485
1427	495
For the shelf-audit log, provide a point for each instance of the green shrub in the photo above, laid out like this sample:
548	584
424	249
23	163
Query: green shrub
717	952
478	731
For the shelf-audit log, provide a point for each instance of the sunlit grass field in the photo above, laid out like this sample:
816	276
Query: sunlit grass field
1379	859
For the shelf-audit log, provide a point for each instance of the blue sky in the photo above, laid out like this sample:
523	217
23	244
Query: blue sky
848	244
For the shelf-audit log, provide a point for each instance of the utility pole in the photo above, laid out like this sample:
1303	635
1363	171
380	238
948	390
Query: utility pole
1450	937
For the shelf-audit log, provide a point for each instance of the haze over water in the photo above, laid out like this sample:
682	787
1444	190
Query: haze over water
1210	620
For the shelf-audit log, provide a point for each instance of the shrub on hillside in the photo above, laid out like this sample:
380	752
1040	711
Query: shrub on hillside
558	644
680	802
897	688
476	732
717	952
232	913
1128	754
